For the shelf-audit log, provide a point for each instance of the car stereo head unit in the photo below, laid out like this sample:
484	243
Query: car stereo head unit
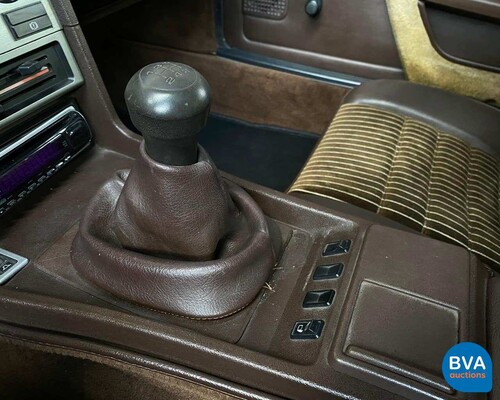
35	156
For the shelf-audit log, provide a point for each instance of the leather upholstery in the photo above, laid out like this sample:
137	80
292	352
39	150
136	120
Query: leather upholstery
174	211
175	239
392	163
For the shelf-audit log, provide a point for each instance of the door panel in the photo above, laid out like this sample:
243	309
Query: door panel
424	64
352	37
465	38
489	8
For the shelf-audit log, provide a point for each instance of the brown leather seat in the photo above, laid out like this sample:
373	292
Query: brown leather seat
425	158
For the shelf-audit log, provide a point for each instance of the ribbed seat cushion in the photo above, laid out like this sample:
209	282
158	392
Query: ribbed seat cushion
411	172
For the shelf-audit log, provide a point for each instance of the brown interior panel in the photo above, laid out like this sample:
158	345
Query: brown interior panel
425	65
493	311
176	24
399	302
407	307
487	8
59	372
418	354
465	38
352	37
243	91
283	99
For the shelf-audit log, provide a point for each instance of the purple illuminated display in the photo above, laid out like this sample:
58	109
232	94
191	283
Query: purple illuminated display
30	167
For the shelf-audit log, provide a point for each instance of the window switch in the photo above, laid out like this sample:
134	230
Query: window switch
318	298
309	329
338	247
332	271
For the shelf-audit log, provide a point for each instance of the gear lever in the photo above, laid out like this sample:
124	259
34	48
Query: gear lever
171	234
169	104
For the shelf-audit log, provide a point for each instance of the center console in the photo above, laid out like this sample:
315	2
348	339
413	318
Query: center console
342	307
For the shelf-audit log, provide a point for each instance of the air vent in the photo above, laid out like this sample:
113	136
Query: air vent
271	9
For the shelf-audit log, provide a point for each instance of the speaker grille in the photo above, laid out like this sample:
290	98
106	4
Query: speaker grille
272	9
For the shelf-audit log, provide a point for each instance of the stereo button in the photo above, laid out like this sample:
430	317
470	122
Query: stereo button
31	27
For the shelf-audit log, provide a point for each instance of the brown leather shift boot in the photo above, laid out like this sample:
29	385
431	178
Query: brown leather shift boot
180	212
176	239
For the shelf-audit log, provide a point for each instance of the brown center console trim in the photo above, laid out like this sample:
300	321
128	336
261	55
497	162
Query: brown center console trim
94	100
127	361
407	306
182	347
268	357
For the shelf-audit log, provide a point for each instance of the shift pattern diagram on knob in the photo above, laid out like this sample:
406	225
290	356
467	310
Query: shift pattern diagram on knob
166	69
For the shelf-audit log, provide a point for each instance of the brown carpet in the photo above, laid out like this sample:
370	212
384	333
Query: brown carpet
31	371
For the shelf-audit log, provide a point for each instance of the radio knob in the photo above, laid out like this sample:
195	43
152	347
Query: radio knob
77	134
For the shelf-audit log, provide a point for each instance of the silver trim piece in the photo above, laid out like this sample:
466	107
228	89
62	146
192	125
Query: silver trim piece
76	81
20	264
40	128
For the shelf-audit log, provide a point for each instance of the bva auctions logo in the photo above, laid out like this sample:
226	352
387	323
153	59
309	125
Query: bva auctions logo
467	367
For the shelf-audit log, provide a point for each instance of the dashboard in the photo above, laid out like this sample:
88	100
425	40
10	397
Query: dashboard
36	63
41	128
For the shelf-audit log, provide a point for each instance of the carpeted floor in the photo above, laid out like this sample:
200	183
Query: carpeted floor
262	154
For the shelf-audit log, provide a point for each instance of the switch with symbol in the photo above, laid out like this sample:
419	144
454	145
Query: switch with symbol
6	263
10	264
307	329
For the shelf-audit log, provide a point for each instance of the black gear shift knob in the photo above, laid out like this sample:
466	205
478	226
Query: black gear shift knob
169	103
